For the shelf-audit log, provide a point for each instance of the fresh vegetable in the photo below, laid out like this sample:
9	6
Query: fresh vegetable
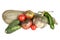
13	27
10	15
26	20
40	21
33	27
21	17
26	24
29	14
50	19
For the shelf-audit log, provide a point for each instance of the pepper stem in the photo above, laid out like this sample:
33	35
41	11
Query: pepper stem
42	12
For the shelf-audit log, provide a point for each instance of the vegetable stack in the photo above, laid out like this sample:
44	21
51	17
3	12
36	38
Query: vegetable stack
27	19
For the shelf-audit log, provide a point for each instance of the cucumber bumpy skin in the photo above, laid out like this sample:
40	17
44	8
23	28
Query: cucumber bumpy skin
13	27
50	19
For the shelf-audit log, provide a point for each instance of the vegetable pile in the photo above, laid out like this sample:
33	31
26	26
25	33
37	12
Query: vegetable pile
27	19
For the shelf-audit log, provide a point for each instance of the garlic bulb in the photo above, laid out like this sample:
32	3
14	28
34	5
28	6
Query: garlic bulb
40	21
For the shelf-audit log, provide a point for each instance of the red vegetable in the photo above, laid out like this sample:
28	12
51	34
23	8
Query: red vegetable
27	24
21	17
33	27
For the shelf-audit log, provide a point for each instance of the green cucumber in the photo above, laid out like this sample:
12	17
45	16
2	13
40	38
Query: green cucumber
13	27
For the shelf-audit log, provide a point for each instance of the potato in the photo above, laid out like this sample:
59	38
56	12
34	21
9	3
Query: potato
10	15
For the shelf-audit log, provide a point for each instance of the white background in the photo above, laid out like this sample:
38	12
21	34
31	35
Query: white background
34	5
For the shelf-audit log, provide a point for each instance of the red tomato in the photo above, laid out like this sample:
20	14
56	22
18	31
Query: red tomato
21	17
33	27
26	25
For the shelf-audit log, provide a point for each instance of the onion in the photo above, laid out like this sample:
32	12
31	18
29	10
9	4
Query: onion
40	21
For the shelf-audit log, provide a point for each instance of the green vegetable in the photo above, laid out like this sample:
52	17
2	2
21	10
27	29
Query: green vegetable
50	19
13	27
